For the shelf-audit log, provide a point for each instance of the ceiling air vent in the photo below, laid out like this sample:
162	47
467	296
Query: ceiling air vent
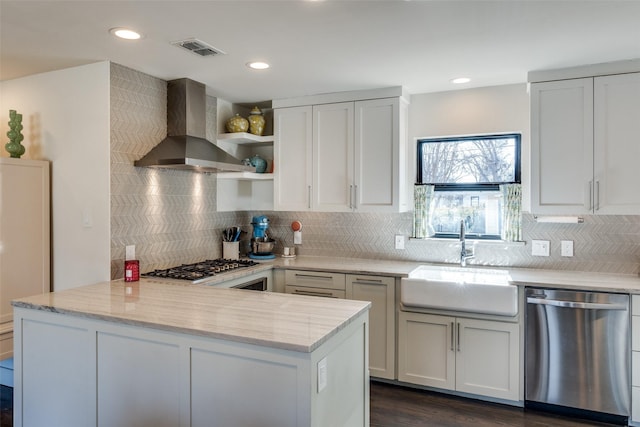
198	47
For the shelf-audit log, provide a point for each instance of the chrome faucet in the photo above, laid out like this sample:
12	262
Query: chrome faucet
465	253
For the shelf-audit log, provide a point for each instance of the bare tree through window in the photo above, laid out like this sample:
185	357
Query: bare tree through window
467	172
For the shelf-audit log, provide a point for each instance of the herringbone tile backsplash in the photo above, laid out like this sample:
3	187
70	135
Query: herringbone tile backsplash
171	215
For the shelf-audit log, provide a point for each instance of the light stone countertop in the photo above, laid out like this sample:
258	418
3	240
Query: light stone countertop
590	281
607	282
347	265
289	322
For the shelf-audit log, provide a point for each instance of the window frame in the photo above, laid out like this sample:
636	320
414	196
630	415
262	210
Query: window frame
471	187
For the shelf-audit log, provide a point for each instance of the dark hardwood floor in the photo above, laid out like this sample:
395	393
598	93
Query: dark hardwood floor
394	406
6	406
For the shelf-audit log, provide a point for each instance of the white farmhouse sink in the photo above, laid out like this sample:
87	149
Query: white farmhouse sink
476	290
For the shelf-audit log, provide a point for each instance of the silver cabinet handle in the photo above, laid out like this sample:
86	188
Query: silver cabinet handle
355	197
597	195
313	276
368	281
452	338
315	294
351	197
576	304
458	336
309	198
590	195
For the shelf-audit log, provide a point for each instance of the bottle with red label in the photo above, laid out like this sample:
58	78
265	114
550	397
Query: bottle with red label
131	270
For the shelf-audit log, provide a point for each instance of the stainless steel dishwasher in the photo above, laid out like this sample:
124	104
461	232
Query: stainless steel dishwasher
577	352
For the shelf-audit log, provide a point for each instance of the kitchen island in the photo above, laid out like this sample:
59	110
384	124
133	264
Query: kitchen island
154	354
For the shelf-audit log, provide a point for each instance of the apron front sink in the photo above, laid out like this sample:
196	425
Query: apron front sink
476	290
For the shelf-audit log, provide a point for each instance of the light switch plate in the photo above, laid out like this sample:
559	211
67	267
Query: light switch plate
399	241
297	237
87	218
540	247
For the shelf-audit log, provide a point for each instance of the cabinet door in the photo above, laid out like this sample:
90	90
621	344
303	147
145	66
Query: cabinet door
562	146
426	352
133	386
617	144
55	371
380	291
487	358
24	231
333	157
377	155
292	154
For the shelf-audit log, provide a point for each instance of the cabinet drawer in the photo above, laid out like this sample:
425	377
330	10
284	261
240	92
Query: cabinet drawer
635	368
635	305
635	333
370	280
635	404
315	279
314	292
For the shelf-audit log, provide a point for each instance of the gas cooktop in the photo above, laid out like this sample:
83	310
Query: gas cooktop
201	271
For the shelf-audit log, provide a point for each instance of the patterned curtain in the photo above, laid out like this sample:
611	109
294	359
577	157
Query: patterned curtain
423	196
511	212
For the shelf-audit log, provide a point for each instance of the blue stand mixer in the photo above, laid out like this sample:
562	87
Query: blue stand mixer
261	244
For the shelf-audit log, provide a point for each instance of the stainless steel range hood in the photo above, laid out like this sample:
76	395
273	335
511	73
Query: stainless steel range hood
185	146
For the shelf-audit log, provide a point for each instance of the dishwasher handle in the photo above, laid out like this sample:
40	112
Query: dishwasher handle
577	304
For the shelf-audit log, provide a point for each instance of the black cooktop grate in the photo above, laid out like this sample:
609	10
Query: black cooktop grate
201	270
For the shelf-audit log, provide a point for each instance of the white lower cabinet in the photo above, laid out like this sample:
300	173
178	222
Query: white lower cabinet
380	291
76	371
466	355
635	359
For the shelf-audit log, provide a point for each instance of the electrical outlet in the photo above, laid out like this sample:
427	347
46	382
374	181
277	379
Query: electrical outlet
566	248
540	247
399	241
297	237
322	374
130	252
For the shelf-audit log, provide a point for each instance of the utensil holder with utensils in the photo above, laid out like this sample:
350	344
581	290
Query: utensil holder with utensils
231	250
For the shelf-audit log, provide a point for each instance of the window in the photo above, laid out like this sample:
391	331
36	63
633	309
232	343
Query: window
467	174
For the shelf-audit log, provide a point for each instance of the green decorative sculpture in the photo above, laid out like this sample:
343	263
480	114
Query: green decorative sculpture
15	135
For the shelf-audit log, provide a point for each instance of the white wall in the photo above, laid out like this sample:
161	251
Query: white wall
495	109
66	121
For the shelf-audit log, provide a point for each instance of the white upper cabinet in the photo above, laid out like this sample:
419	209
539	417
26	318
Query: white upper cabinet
617	149
333	154
380	155
584	145
292	153
561	146
342	156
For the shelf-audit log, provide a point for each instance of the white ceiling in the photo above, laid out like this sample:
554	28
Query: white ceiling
322	46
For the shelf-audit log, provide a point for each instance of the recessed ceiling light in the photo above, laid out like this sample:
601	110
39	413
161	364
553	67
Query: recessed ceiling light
258	65
461	80
125	33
